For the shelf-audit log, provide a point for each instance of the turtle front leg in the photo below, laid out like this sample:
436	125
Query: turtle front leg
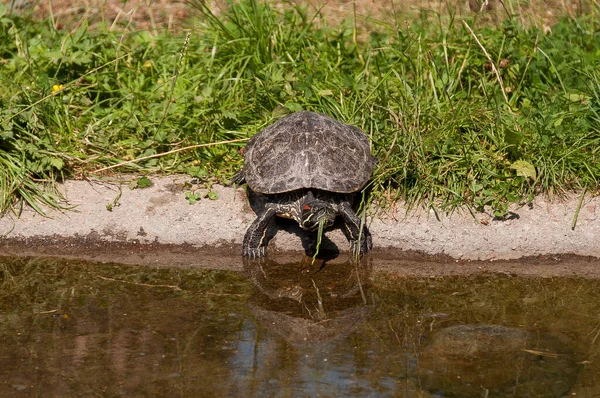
255	238
353	231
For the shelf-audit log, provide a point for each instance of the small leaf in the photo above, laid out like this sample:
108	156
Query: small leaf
577	97
293	106
229	114
524	169
212	195
207	91
499	213
5	135
198	172
57	163
192	198
144	182
324	93
276	76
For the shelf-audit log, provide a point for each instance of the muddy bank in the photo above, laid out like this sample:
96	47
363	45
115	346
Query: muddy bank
228	258
160	218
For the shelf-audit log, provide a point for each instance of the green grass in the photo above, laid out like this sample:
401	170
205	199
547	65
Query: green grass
452	124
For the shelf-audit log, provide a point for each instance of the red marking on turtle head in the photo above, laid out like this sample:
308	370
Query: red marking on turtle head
306	207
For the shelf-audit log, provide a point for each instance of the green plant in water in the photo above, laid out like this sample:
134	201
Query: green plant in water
319	238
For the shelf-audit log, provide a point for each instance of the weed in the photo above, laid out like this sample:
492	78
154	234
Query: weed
319	239
142	182
212	195
192	197
116	201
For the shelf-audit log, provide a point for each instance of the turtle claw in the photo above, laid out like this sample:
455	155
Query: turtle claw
253	252
365	245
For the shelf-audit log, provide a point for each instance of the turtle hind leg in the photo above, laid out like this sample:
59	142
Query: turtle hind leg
360	239
255	240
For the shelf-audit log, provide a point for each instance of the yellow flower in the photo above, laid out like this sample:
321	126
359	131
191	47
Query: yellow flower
57	87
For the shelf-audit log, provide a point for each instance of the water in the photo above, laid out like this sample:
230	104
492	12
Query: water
74	329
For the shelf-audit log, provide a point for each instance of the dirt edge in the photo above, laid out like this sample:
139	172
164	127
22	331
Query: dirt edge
158	226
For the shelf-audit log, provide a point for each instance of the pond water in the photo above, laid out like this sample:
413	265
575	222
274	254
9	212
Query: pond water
76	329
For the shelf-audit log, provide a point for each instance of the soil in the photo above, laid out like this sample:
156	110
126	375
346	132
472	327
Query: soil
157	226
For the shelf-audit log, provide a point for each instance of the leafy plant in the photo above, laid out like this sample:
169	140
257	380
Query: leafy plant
212	195
142	182
192	197
459	113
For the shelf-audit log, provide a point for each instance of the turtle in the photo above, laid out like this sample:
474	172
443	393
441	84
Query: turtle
307	167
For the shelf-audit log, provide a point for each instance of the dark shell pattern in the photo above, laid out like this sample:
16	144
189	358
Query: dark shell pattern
308	150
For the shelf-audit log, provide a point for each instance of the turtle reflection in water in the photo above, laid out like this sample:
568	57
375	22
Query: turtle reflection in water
307	167
307	304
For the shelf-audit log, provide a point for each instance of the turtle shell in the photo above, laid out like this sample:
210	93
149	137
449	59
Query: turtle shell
308	150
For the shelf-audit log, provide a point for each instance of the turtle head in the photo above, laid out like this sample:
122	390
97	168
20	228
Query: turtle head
313	212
